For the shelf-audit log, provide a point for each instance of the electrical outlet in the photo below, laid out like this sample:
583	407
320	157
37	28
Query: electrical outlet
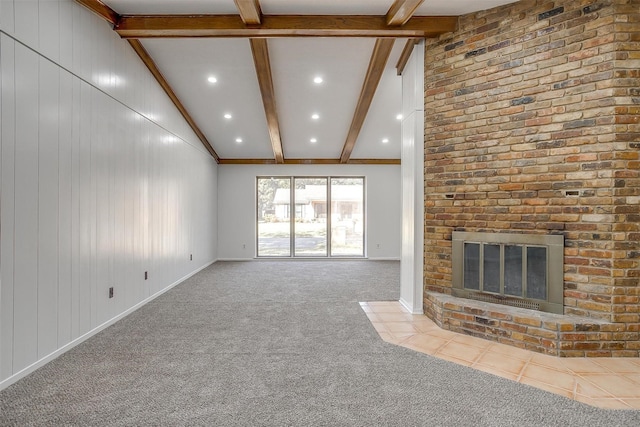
244	246
146	275
111	292
190	257
378	246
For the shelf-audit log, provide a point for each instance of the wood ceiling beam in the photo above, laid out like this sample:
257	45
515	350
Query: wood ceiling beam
260	52
133	26
309	162
379	57
405	55
250	11
113	18
401	11
153	68
101	10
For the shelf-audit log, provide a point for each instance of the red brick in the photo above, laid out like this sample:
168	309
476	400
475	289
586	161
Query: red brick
544	111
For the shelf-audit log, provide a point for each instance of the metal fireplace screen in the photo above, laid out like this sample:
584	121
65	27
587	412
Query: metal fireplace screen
514	269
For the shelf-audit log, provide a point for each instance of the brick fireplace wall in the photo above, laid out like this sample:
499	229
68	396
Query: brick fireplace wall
532	125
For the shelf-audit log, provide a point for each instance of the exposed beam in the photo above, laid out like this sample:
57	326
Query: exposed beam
249	11
381	52
309	162
151	65
101	9
405	55
280	26
401	11
260	52
374	161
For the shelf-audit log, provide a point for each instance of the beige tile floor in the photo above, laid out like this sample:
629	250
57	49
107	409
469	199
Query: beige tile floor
612	383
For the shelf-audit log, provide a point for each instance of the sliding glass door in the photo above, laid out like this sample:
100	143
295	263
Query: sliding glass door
295	214
310	219
274	217
347	216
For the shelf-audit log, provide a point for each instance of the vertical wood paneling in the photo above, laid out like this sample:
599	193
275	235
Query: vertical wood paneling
129	132
49	25
119	72
6	16
86	226
26	208
65	210
102	72
76	254
107	254
65	33
119	259
101	119
92	194
174	200
137	212
26	22
155	231
186	213
82	30
145	210
47	191
7	212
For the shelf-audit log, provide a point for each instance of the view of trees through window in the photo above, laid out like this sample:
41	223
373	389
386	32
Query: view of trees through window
295	214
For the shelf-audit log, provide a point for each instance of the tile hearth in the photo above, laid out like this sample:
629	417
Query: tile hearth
612	383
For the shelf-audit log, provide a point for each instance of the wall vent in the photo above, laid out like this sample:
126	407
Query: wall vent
499	299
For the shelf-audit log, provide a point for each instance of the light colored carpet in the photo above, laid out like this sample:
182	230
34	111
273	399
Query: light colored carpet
275	344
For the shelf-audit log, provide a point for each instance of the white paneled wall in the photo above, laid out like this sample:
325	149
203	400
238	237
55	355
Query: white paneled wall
102	181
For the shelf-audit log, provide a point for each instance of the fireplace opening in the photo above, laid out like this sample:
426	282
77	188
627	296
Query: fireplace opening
513	269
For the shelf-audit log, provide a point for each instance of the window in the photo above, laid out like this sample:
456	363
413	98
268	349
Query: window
327	216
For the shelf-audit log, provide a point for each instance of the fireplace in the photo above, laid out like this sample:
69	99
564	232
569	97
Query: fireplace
519	270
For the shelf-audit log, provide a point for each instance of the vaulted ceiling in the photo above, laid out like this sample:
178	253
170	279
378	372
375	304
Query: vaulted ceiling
285	81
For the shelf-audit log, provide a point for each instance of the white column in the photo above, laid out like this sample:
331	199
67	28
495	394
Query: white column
412	261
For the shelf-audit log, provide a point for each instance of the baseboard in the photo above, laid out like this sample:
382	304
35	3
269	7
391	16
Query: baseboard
311	259
406	305
41	362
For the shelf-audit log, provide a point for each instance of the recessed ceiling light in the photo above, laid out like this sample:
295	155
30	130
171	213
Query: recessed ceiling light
385	140
212	79
313	140
227	116
317	80
238	140
399	117
315	116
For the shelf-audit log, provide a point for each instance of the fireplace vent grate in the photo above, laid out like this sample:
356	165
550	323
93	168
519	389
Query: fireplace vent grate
513	302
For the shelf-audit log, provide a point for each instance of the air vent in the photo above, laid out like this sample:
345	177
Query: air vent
513	302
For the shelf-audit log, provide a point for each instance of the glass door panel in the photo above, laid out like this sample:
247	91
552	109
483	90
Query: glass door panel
472	265
274	216
491	268
347	216
310	217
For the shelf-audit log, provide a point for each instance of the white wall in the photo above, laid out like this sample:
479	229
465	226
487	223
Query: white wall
237	205
102	180
411	265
